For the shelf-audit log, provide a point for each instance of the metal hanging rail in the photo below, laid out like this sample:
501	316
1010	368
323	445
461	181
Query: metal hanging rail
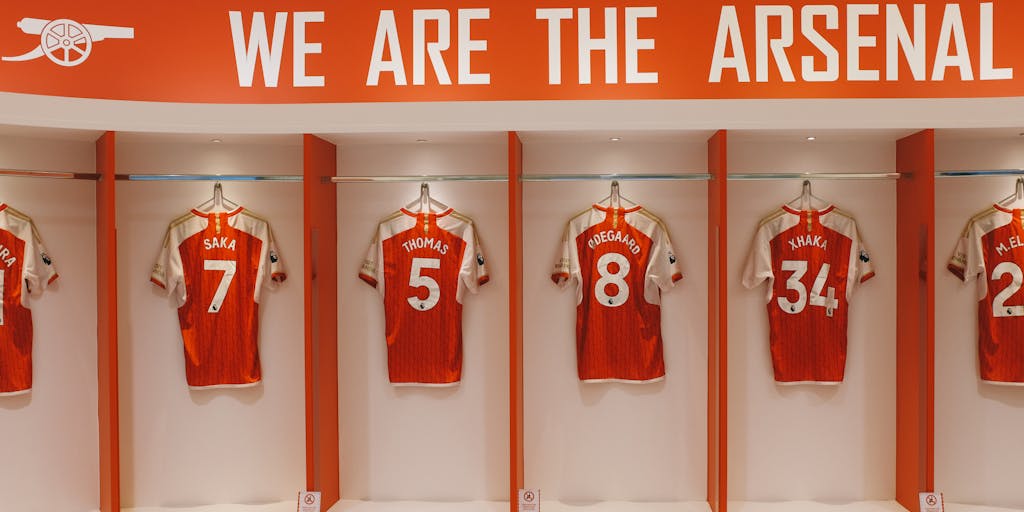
417	179
60	175
989	172
816	176
672	176
209	177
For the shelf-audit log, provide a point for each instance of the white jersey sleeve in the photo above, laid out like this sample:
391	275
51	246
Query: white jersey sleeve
663	267
39	270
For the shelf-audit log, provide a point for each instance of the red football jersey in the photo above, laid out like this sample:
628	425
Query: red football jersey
25	269
422	264
215	265
620	259
991	249
818	257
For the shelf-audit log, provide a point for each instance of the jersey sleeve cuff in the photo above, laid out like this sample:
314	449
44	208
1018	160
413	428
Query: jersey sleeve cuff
559	277
957	271
677	277
157	282
483	280
369	280
278	277
53	278
867	276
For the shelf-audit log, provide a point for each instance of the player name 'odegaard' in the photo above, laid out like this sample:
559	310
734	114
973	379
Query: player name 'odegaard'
808	240
427	243
614	236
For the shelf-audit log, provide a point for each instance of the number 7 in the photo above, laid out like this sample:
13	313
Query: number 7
228	267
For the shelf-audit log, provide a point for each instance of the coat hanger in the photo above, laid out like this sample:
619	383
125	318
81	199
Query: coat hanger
218	203
425	203
1016	200
806	200
615	199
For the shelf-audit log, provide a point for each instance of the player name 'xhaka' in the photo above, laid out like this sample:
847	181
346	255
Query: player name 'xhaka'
1014	243
614	236
428	243
221	242
808	240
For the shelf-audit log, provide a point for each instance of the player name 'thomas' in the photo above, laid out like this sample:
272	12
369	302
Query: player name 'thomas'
425	243
1014	242
219	242
808	240
614	236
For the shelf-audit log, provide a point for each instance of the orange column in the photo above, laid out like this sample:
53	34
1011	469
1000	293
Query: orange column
515	312
717	322
320	221
915	314
106	324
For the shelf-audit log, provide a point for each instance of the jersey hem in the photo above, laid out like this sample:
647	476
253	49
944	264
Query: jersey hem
15	393
812	382
225	386
624	381
425	384
1008	383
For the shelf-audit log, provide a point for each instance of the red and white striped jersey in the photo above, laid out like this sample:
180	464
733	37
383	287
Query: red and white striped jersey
620	259
991	249
422	264
812	260
215	265
25	270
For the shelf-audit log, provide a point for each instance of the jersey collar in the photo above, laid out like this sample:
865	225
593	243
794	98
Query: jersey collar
210	215
816	213
609	209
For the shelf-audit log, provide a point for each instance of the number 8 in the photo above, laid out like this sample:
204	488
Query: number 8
618	279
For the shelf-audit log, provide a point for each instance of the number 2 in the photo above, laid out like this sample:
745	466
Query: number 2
999	307
418	281
228	267
798	269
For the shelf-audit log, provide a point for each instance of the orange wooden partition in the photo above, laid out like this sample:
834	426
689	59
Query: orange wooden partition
717	323
515	316
106	324
915	314
320	218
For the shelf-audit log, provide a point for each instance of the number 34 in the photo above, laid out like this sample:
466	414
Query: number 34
798	269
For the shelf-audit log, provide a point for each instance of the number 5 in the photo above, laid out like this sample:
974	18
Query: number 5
418	281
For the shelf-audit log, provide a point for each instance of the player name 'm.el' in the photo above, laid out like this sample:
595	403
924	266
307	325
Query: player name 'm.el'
425	243
219	242
808	240
1013	242
614	236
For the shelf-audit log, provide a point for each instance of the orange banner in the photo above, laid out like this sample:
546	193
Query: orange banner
305	51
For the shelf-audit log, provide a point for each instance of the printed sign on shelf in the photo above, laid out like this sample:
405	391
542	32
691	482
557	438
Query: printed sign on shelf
452	50
309	502
529	500
932	502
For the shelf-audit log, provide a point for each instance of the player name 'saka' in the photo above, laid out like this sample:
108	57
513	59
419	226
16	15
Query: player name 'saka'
425	243
808	240
1014	243
614	236
219	242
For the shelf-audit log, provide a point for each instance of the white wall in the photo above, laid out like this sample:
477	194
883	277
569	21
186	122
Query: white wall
588	443
182	447
978	426
424	444
807	442
49	437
